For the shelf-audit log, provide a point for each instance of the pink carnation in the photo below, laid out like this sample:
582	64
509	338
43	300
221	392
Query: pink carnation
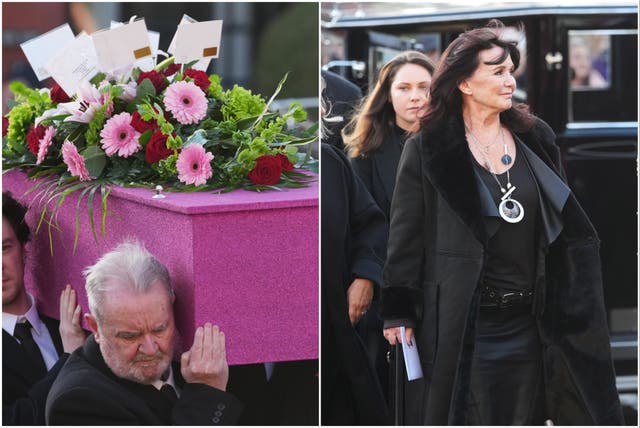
45	143
74	161
194	165
119	136
186	102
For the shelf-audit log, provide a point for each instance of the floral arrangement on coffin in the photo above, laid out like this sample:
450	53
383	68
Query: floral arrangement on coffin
174	126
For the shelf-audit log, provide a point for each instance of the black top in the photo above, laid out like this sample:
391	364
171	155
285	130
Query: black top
512	249
378	169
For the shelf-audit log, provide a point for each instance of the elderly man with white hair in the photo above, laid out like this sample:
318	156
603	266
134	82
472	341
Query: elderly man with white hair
123	375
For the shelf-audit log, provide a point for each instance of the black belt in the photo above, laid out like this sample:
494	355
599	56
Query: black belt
495	298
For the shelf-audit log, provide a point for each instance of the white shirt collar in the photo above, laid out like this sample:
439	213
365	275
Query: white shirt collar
9	321
170	380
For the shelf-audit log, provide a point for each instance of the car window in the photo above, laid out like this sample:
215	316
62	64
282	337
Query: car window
602	72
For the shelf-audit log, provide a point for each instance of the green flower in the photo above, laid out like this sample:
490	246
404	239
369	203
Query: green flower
241	104
32	103
215	88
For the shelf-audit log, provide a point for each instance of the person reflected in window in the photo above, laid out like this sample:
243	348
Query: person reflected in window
583	74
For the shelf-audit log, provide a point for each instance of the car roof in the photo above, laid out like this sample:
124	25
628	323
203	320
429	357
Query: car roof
365	14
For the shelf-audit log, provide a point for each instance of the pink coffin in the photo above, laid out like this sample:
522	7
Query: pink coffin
245	261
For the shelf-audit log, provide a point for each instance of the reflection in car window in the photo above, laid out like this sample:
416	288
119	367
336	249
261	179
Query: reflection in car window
602	73
589	60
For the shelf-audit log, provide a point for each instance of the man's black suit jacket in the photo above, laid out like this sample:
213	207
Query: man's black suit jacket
24	390
87	392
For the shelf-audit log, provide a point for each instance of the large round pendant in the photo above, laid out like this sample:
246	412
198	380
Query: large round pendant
511	210
506	159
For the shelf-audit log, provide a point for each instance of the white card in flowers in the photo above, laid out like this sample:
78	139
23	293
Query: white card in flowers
197	40
145	64
75	63
122	46
41	49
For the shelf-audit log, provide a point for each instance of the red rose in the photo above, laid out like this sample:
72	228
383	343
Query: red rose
5	125
156	148
200	78
58	95
157	78
171	69
267	170
284	160
142	125
33	138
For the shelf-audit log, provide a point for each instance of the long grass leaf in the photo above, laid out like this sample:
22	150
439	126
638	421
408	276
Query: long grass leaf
103	221
273	97
92	193
77	220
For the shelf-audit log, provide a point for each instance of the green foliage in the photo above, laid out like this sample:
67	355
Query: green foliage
166	168
238	128
241	103
92	136
31	104
215	88
94	159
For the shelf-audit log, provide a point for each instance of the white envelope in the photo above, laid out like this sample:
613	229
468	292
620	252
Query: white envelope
411	357
122	46
75	63
41	49
197	40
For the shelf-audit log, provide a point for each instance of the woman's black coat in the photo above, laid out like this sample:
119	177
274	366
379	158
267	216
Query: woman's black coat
435	261
378	169
354	234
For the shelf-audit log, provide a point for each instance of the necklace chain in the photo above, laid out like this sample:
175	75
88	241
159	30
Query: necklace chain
486	160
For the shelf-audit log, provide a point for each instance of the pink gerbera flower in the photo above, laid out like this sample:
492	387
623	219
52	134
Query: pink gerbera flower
194	165
119	136
45	143
186	102
74	161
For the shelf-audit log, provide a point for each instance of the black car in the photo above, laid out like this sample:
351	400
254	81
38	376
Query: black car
579	74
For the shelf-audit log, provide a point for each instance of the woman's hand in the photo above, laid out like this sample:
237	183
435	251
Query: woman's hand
359	296
393	335
71	331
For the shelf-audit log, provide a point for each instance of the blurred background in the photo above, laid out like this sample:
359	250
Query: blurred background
260	41
578	72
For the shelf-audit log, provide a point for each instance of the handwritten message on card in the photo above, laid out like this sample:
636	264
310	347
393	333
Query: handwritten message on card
75	63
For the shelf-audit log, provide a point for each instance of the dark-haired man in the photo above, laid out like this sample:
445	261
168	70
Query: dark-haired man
34	347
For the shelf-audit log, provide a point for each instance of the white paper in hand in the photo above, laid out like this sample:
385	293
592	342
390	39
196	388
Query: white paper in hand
41	49
411	357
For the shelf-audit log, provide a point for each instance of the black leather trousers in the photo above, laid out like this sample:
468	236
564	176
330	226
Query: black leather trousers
507	386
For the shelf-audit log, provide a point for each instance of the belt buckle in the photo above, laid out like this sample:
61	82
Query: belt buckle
509	299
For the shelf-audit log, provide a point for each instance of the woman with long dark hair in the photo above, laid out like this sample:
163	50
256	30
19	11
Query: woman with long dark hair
492	265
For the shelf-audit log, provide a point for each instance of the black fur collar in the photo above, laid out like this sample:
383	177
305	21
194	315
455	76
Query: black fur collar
447	164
